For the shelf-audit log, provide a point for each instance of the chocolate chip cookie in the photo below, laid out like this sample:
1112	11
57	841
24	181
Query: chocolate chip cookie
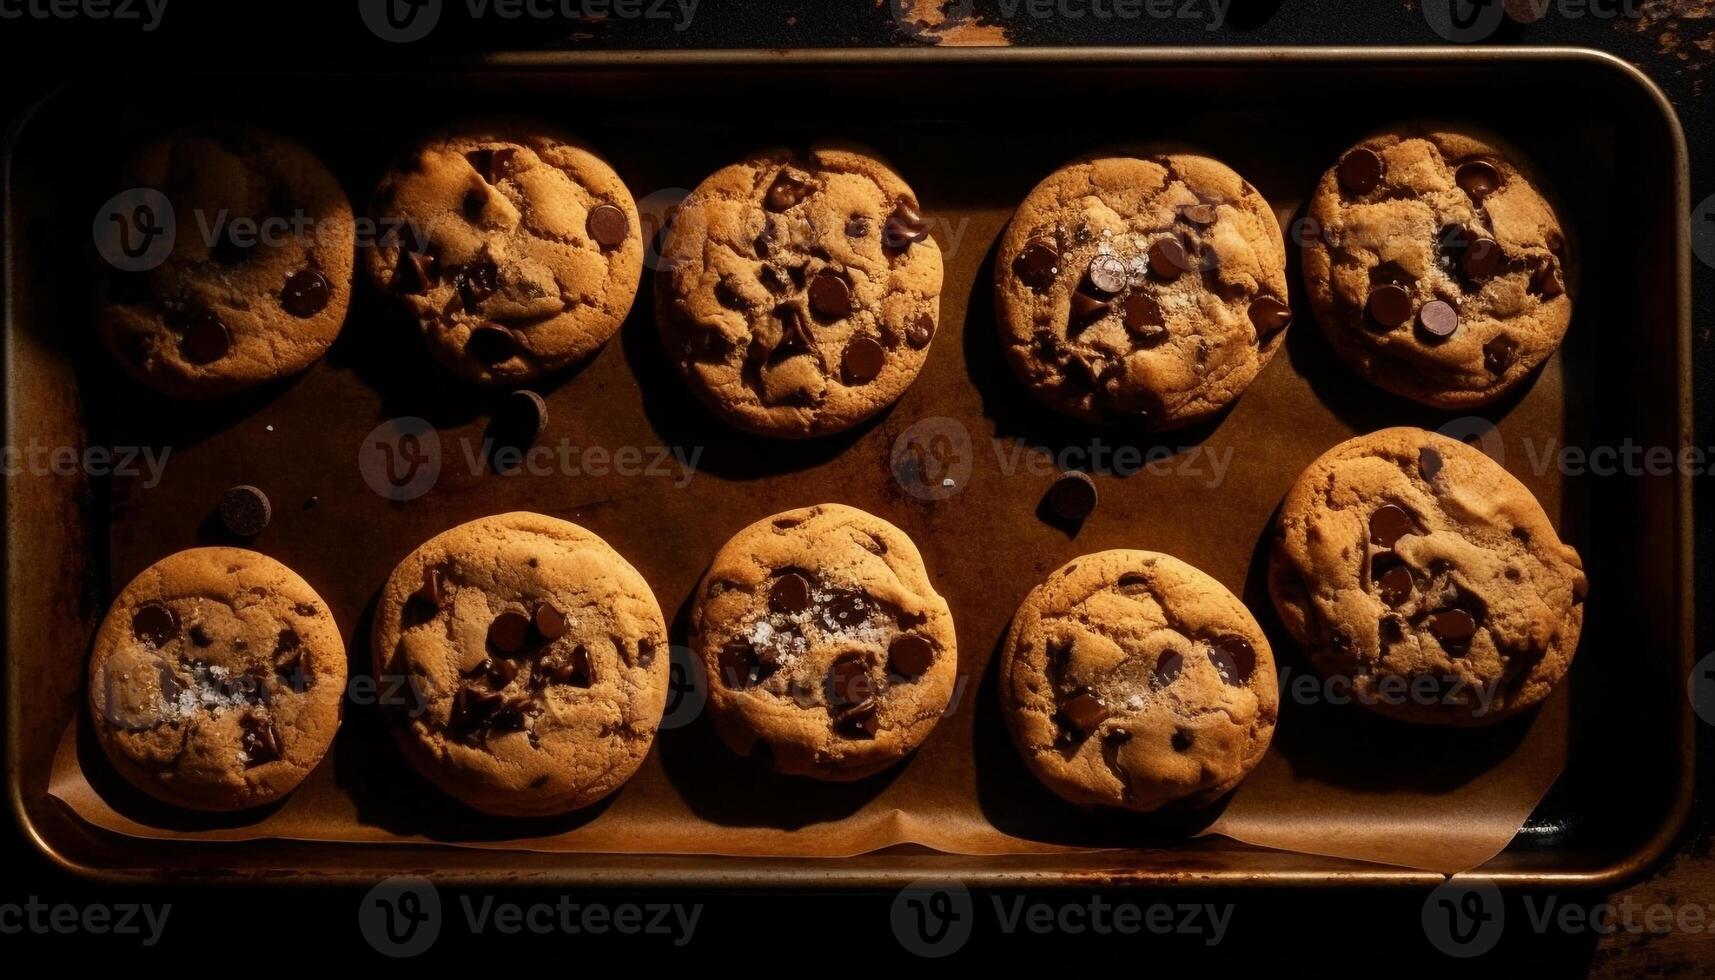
1146	291
1436	266
799	293
257	281
1132	679
534	661
828	652
517	249
217	679
1417	571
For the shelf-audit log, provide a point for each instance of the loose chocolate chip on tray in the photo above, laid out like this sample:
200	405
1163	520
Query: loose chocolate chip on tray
1389	305
155	624
1073	495
509	631
306	294
1269	316
863	359
520	419
1037	264
245	510
1360	171
1438	318
608	225
789	594
1478	178
830	296
1389	523
1107	275
910	655
206	339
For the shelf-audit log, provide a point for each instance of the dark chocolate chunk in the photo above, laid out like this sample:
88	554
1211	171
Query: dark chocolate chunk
1478	178
245	510
1085	711
789	594
1454	628
1269	316
491	344
1233	657
1394	584
1389	523
608	225
1360	170
550	622
1167	667
509	631
1498	353
261	741
848	680
910	655
1482	259
306	293
206	339
1438	319
905	226
1087	308
921	331
1428	462
859	721
1073	495
1143	318
786	191
155	624
1389	305
1167	258
1037	264
830	296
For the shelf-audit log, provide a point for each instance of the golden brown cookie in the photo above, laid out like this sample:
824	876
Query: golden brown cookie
1144	291
828	652
1437	267
259	275
1417	571
217	679
537	661
515	248
1132	679
799	293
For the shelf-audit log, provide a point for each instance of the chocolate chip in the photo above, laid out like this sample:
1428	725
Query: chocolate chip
910	655
520	419
261	741
795	337
306	294
416	272
1167	259
494	165
1084	711
1454	628
773	279
1482	259
846	607
739	663
245	510
1233	657
1360	170
1498	353
645	652
608	225
1478	178
921	331
509	631
474	203
848	680
1394	585
475	283
206	339
1073	495
857	226
491	344
905	226
830	296
789	594
1389	523
1546	281
499	671
434	589
1199	214
863	359
1037	264
1389	305
860	721
1438	319
1181	740
785	192
550	621
472	706
1428	462
1269	316
1143	318
1107	275
155	624
1167	667
577	670
1086	308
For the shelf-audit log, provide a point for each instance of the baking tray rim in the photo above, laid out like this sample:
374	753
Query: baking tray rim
819	873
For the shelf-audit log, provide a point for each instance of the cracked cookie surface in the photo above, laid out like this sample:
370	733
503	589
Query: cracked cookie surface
216	679
259	277
799	294
517	249
1142	291
535	661
1131	679
828	652
1436	267
1416	567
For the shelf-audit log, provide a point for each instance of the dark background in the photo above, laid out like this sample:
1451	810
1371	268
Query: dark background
1326	931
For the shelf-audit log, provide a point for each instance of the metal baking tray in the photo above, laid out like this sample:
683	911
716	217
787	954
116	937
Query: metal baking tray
972	130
